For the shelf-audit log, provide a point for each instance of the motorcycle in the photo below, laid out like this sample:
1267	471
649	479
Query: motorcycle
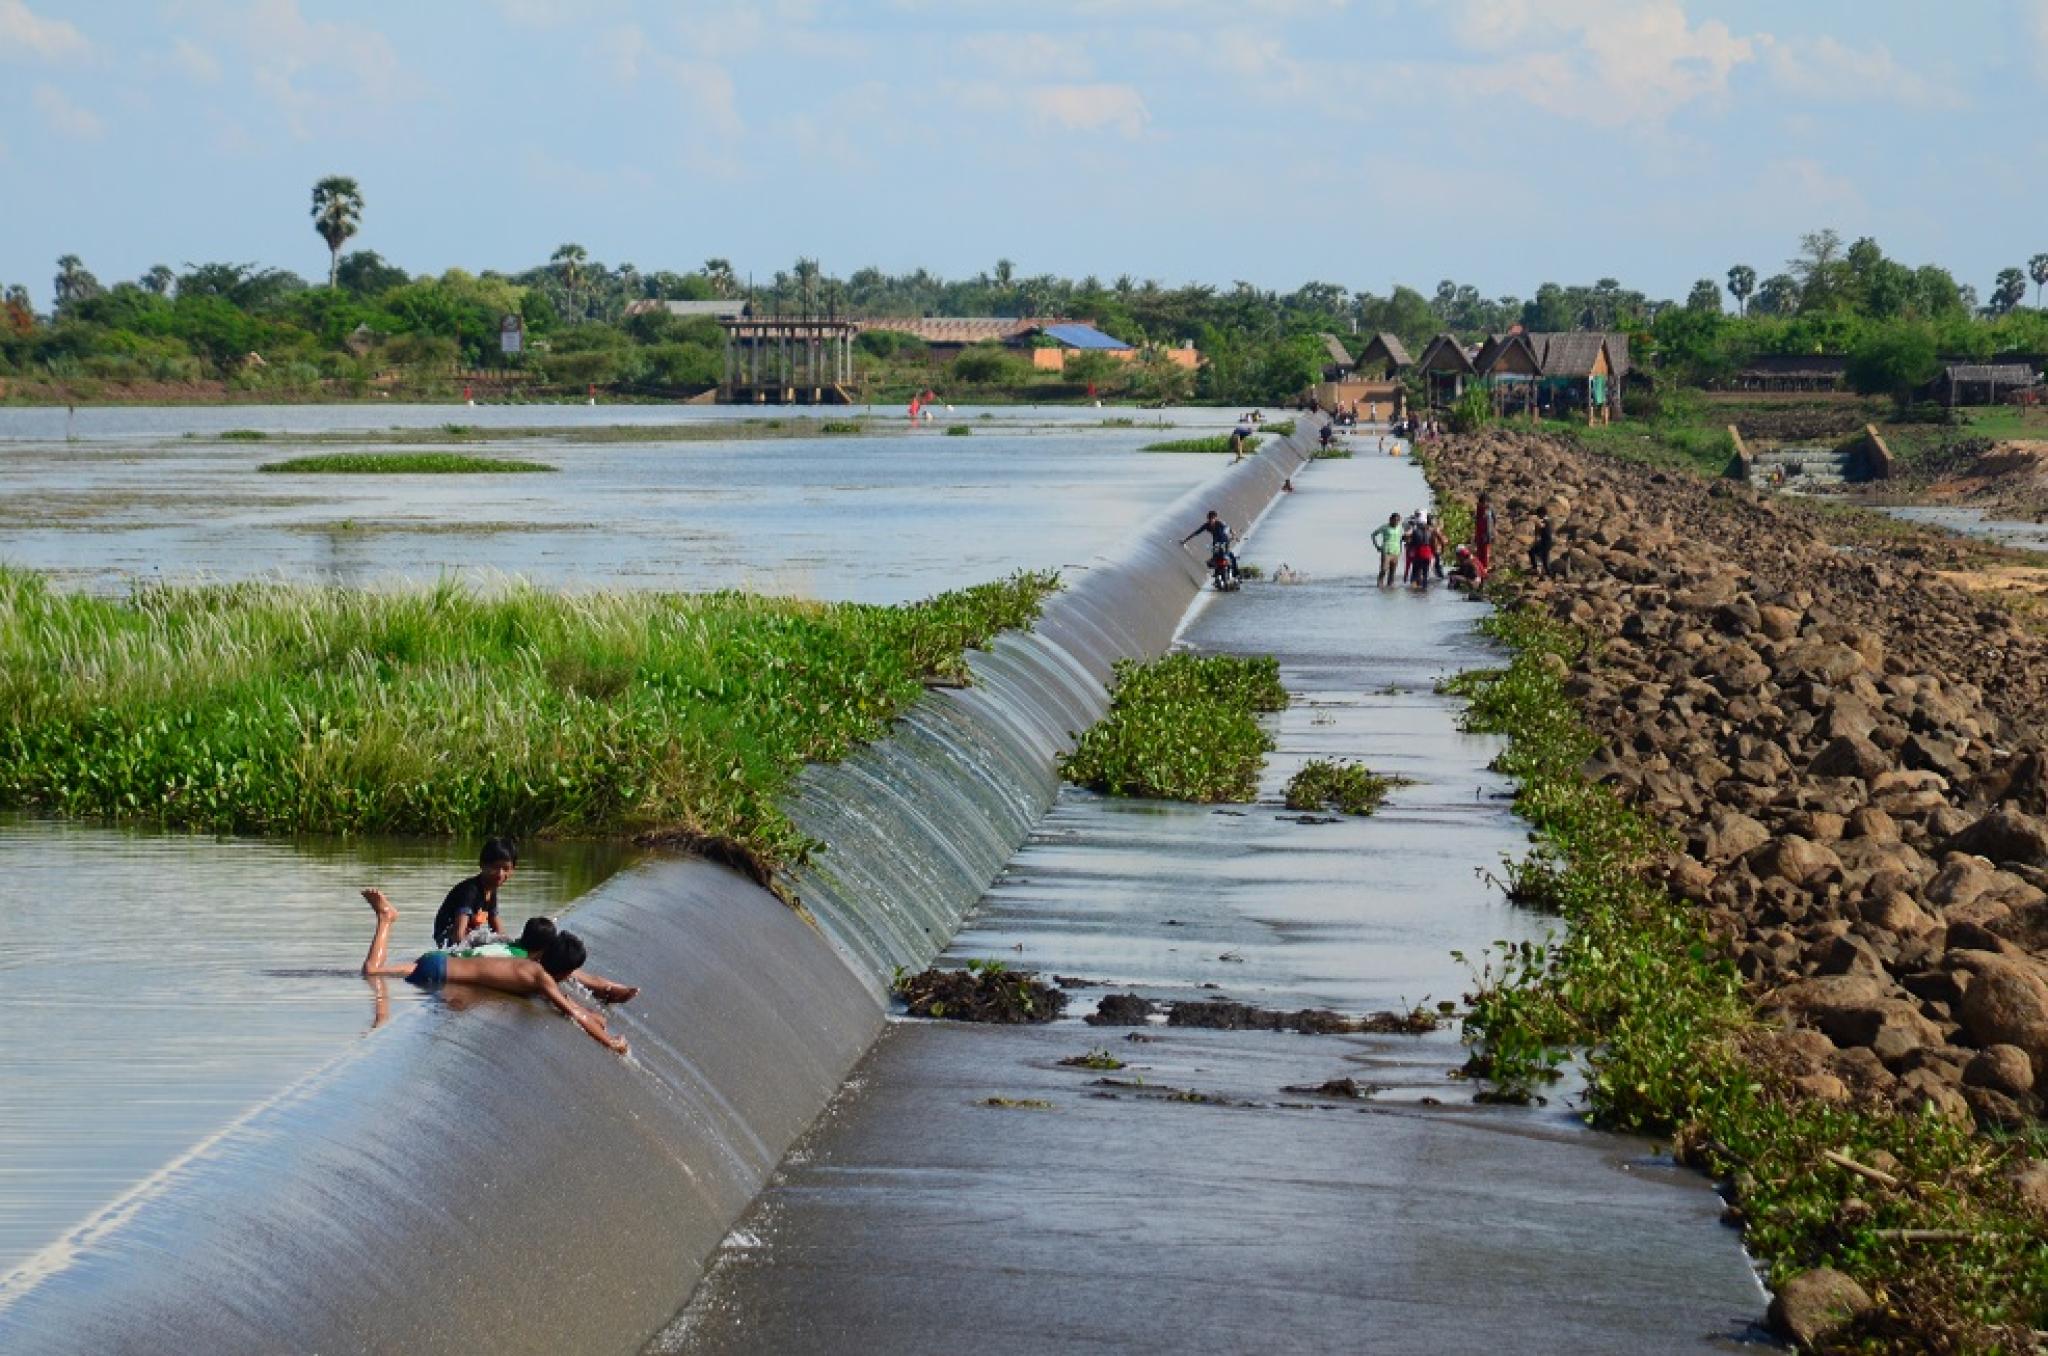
1222	571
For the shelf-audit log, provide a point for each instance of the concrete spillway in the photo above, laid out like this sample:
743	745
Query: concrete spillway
489	1180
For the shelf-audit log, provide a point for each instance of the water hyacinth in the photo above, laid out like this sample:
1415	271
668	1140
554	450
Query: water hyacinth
283	708
1182	728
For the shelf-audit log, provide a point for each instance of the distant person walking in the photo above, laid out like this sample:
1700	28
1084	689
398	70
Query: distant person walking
1482	534
1386	538
1546	541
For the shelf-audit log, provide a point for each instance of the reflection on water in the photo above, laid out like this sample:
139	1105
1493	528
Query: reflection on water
153	987
1973	522
882	517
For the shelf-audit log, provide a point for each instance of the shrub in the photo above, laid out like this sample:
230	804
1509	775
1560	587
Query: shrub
1349	787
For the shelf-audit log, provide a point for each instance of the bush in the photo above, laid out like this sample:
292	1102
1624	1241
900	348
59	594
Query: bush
1472	410
983	364
1349	787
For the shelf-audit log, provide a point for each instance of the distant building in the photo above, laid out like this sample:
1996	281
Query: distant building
1982	383
1338	361
947	336
1809	372
1554	372
1383	356
716	308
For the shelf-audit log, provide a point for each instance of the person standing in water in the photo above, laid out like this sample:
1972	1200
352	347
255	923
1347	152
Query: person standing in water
1482	534
1386	539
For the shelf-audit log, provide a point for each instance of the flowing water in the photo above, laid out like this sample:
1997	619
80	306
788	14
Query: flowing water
155	987
1972	522
900	513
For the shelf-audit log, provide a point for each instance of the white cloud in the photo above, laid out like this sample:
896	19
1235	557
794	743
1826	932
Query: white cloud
1823	68
65	117
317	72
26	34
195	61
1090	108
1027	56
1611	63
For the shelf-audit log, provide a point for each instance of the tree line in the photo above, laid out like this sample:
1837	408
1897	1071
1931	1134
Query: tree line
207	320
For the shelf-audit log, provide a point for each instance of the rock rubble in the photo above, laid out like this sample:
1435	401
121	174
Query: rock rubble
1848	750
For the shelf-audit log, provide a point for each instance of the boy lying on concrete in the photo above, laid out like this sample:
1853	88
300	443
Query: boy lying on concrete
532	941
558	961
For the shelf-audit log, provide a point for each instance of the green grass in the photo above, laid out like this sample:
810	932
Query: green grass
840	426
1120	422
1283	428
959	430
243	435
1220	443
1181	728
1638	992
401	464
1683	443
274	708
1349	787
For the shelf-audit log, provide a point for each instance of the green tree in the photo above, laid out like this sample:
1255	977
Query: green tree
2009	291
1895	360
1741	284
365	274
1705	296
337	216
159	280
1778	295
74	282
724	282
2037	269
1818	267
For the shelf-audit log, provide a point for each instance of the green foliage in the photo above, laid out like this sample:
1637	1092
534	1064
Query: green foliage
401	464
1638	992
982	363
1219	443
1471	411
1181	728
1349	787
840	426
1895	361
277	708
1279	428
243	435
959	430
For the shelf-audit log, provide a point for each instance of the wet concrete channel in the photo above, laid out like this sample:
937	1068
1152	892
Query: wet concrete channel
1083	1216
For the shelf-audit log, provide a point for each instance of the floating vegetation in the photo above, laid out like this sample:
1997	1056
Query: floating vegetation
1095	1059
1219	443
242	435
985	991
401	464
279	708
1349	787
1182	728
840	426
959	430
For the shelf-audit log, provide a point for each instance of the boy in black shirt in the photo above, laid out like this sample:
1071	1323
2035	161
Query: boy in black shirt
474	903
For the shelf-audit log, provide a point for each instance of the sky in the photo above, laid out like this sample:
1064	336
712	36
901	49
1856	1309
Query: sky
1361	142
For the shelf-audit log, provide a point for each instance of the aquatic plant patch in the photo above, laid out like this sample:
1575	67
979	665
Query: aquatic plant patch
1916	1207
985	991
1220	443
1349	787
1182	728
275	708
402	464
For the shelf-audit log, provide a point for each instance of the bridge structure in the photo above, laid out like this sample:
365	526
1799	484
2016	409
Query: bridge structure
788	360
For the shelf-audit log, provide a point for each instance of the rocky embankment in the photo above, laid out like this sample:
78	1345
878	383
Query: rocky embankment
1849	750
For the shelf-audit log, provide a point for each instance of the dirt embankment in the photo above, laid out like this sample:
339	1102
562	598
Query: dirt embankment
1848	747
2007	479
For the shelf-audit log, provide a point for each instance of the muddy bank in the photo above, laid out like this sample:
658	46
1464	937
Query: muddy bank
1848	751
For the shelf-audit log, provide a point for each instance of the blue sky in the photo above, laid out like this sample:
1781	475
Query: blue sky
1498	142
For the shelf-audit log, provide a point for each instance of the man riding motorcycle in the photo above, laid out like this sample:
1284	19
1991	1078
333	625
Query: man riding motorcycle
1219	538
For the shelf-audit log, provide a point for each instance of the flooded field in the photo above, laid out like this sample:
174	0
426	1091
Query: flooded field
157	987
880	516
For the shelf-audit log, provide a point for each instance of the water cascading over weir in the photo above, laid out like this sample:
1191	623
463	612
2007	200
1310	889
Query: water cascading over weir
460	1183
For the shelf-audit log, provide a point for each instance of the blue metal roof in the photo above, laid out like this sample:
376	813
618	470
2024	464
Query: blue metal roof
1082	336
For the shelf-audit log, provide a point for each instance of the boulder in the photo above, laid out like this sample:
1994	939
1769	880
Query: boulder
2004	836
1850	756
1814	1306
1961	881
2005	1003
1792	858
2030	1184
1732	834
2003	1068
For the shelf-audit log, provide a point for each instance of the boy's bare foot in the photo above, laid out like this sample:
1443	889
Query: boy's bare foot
384	907
623	993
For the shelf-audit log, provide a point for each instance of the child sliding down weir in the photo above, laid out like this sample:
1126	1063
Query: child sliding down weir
558	961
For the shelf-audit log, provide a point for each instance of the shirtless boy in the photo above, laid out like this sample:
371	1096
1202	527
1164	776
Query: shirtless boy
522	976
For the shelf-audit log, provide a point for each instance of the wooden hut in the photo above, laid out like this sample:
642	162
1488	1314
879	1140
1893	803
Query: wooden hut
1983	383
1384	355
1551	373
1337	360
1446	369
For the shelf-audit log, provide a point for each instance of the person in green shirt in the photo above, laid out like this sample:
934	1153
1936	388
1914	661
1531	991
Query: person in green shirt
1386	538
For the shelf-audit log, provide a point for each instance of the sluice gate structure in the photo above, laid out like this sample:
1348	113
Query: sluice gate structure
788	360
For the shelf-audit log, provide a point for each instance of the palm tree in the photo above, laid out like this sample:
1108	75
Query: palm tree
74	282
807	274
337	215
718	272
1741	283
2037	269
159	280
569	260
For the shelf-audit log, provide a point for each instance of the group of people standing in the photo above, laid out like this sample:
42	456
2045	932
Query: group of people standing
1417	549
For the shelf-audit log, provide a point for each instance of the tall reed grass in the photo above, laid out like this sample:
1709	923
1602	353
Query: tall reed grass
277	708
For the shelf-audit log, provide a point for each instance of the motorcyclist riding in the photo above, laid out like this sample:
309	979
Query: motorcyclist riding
1219	538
